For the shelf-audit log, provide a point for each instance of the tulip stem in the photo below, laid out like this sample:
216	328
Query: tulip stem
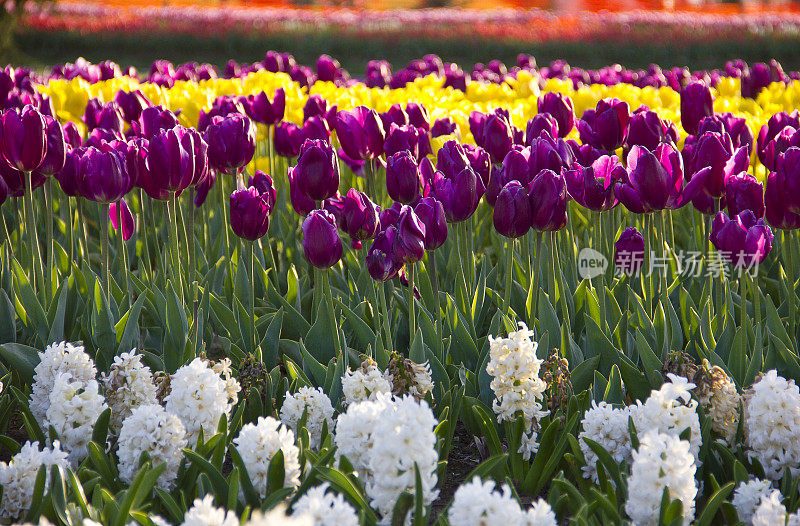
144	260
33	238
508	276
104	249
67	210
48	197
436	301
270	147
412	322
123	253
648	277
387	326
536	281
326	287
664	280
251	256
192	257
84	237
597	244
742	301
751	282
625	316
173	243
224	202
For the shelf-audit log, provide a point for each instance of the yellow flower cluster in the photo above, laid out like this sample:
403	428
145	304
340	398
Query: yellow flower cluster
517	95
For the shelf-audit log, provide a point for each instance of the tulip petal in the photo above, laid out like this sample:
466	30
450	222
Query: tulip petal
128	223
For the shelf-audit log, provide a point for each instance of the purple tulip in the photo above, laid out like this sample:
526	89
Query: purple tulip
264	185
788	171
360	217
778	215
541	123
152	120
327	68
773	127
496	136
287	139
136	160
418	116
786	138
106	116
391	215
204	187
459	195
72	136
99	136
360	133
647	129
24	141
317	170
128	224
101	175
170	163
654	181
409	243
512	211
301	203
584	154
629	251
548	153
378	74
451	159
321	242
736	127
132	104
394	115
250	211
744	192
261	109
223	106
547	194
715	150
403	178
605	127
480	162
431	212
231	142
759	76
514	168
696	103
744	240
68	175
56	148
380	264
402	138
443	126
593	187
560	107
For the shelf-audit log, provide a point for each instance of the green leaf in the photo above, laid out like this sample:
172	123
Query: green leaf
319	340
713	505
20	358
276	472
127	328
8	319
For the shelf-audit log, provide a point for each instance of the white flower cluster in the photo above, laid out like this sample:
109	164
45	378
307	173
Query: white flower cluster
516	384
747	497
608	426
277	517
770	510
204	513
257	444
150	428
317	406
478	502
326	508
129	384
18	477
383	439
772	424
232	387
721	401
365	383
62	357
75	406
670	410
200	396
662	461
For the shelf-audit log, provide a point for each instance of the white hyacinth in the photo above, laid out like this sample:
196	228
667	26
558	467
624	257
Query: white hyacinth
325	507
257	444
62	357
319	411
364	384
277	517
670	410
720	400
75	406
770	510
608	426
204	513
199	397
354	427
162	435
478	502
772	424
18	477
516	384
540	514
662	461
129	384
402	436
747	497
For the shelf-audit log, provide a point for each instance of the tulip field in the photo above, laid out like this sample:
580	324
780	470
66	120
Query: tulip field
274	293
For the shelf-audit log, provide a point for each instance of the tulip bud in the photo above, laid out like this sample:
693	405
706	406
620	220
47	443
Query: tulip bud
250	211
543	122
317	170
128	224
606	126
327	68
261	109
315	105
380	264
403	178
514	168
547	194
696	103
170	163
715	150
418	116
629	251
68	175
287	139
360	217
512	211
744	192
154	119
772	128
231	142
72	136
647	129
744	239
459	195
224	106
443	126
360	133
778	215
497	137
561	108
263	184
24	141
321	242
409	244
394	115
102	176
106	116
593	187
431	212
391	215
132	104
56	148
402	138
301	203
